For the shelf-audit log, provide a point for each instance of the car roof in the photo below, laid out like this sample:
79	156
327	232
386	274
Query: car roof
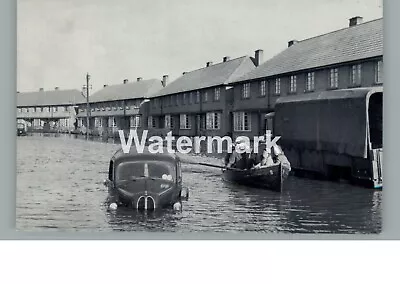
134	154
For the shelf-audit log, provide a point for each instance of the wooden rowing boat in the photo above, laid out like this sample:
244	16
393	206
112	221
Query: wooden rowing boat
265	177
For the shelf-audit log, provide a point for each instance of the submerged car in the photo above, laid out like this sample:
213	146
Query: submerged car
144	180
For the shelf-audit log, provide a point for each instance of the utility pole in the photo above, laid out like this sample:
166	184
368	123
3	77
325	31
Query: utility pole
87	87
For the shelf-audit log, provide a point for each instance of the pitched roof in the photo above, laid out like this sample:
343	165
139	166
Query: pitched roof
132	90
214	75
49	98
352	43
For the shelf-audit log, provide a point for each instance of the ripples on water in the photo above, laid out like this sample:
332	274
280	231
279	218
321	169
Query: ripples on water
60	187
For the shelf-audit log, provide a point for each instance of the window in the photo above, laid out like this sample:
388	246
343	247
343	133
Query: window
184	98
293	84
310	81
205	97
262	88
241	121
168	121
80	122
19	109
55	109
144	168
98	122
277	86
246	91
213	120
217	94
355	75
176	100
201	120
111	122
151	122
198	97
334	78
135	121
185	122
33	109
379	72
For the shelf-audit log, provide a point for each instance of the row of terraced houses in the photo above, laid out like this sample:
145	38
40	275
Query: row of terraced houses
234	96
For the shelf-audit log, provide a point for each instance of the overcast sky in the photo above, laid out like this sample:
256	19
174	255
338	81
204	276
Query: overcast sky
60	40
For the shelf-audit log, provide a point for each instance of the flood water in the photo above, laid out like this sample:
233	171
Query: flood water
60	188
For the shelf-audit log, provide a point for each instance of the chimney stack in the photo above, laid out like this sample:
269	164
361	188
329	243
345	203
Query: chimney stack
56	88
258	56
355	21
226	58
292	42
209	63
41	89
139	79
125	81
164	80
105	85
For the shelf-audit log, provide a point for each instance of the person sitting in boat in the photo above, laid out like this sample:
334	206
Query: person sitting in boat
239	160
272	156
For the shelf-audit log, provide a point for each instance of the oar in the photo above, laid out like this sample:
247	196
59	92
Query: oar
214	166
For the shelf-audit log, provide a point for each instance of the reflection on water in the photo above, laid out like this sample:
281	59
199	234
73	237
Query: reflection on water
59	187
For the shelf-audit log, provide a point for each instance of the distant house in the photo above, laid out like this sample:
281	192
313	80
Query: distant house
198	102
53	109
116	107
347	58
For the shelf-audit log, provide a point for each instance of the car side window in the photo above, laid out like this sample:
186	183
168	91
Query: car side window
110	171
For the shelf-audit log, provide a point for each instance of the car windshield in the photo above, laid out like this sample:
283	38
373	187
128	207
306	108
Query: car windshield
138	169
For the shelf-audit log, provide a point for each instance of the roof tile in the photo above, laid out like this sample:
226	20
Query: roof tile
214	75
348	44
132	90
49	98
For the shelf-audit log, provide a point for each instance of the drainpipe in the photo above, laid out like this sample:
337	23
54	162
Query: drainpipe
201	112
268	94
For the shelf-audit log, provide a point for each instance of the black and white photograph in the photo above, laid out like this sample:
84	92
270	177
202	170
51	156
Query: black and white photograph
227	116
